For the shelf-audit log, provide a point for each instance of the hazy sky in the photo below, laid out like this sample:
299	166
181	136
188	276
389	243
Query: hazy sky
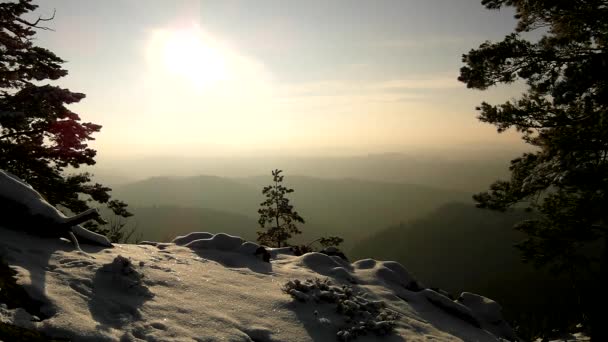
241	77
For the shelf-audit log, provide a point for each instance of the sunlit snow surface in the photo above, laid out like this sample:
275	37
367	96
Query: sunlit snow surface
212	287
210	291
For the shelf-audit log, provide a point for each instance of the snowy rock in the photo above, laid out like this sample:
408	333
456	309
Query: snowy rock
299	295
179	294
395	273
443	292
275	252
205	244
13	188
333	251
18	317
185	239
488	313
484	308
249	247
451	307
325	321
343	274
365	264
221	241
318	262
31	210
126	277
262	253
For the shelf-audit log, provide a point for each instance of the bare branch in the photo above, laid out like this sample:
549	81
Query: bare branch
35	24
82	217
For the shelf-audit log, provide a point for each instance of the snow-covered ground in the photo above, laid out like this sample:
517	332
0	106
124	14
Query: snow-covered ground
215	291
205	287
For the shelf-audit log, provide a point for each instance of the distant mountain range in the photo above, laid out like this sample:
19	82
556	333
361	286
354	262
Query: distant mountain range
469	171
163	223
354	209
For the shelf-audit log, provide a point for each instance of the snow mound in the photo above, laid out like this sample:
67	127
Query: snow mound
22	204
389	273
221	241
227	250
13	188
124	276
332	266
451	306
393	272
213	288
276	253
318	262
483	307
184	239
365	264
488	313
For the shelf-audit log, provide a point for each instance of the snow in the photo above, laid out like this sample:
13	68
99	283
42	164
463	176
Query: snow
213	287
14	189
182	240
487	312
186	293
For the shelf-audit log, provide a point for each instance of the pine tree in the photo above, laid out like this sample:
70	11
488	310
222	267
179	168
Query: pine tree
39	136
277	216
564	116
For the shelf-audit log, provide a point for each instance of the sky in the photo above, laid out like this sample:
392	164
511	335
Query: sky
208	78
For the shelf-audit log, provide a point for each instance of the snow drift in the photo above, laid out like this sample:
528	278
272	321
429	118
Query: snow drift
24	207
213	287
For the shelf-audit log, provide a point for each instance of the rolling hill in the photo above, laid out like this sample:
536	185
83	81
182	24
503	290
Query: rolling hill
163	223
351	208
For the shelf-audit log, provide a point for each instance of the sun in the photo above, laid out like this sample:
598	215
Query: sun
190	55
213	92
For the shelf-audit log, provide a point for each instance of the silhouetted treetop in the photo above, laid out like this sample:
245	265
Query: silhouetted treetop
39	135
564	115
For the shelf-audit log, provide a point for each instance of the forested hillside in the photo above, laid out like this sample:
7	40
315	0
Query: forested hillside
460	247
354	209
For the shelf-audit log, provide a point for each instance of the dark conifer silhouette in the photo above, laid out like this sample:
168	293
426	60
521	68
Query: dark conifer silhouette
39	136
279	219
564	116
277	214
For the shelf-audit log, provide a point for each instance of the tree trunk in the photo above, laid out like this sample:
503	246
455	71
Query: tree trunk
599	314
277	214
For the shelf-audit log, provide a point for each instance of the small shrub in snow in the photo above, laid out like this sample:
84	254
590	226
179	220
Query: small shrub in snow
361	315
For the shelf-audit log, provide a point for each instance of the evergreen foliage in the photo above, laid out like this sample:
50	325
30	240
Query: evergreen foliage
39	136
277	214
563	115
279	219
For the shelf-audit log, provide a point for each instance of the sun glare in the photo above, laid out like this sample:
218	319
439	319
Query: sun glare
224	96
190	55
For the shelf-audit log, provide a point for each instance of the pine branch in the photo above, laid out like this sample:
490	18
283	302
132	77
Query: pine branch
32	132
